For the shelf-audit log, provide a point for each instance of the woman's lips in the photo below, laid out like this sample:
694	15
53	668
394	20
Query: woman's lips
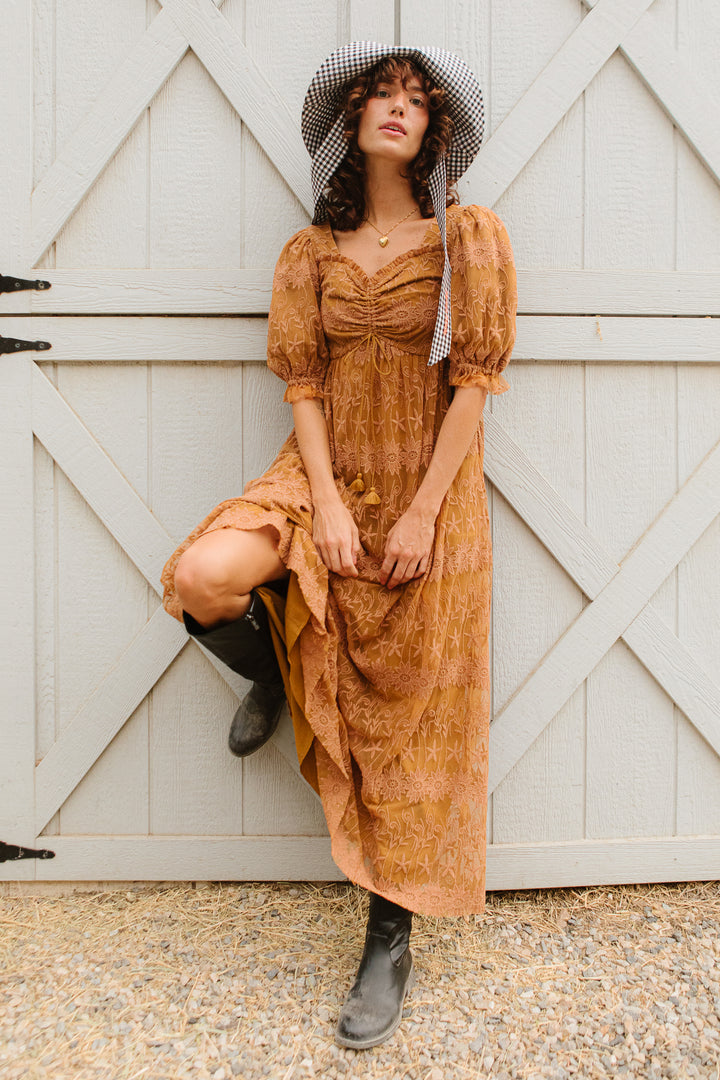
392	131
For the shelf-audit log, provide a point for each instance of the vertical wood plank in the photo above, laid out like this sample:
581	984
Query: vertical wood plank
630	174
698	245
17	644
16	68
370	20
109	227
44	99
44	148
276	800
196	198
278	38
631	447
196	454
631	475
534	601
543	207
267	420
17	639
102	598
698	604
698	193
45	586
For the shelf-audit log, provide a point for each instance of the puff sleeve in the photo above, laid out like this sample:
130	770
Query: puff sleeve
296	347
484	300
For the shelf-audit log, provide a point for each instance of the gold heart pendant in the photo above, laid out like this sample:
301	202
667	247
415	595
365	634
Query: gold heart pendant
383	241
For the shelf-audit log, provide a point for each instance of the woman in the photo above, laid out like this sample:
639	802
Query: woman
390	321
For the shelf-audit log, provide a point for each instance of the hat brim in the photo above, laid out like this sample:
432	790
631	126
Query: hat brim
324	96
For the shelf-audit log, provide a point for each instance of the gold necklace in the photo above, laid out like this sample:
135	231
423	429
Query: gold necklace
384	237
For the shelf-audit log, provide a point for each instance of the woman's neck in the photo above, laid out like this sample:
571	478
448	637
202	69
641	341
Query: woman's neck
388	195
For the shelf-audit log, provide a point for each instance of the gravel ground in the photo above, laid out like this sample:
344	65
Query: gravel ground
228	980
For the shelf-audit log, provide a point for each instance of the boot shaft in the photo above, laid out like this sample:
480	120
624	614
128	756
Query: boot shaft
245	644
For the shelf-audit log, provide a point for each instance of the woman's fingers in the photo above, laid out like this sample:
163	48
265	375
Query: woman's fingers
397	569
347	563
403	569
340	557
337	538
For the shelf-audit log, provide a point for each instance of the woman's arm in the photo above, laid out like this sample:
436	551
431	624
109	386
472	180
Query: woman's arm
410	540
335	534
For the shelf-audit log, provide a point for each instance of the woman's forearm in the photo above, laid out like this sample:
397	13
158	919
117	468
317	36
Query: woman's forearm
312	436
453	442
335	533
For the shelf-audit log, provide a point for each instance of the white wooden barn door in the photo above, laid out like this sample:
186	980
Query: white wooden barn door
152	169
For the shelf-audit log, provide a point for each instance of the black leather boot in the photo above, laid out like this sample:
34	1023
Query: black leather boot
373	1008
245	645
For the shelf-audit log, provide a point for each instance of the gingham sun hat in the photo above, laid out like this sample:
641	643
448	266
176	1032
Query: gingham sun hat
322	131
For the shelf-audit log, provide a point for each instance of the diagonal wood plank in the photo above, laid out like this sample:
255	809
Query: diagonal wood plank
675	86
550	96
683	678
99	481
582	556
243	82
113	701
582	646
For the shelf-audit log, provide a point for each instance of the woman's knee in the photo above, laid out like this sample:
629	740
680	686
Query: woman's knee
203	574
224	564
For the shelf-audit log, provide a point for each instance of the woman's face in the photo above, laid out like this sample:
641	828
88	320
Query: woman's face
395	119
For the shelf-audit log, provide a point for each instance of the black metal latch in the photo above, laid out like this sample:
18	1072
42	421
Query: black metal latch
10	852
16	284
11	344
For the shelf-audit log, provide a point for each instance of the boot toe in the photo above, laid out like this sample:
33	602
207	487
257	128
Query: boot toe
367	1020
256	719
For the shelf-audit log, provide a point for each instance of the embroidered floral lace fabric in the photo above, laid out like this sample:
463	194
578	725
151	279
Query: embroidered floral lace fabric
391	688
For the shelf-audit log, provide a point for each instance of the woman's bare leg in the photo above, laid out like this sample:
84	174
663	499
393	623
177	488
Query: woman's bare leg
216	574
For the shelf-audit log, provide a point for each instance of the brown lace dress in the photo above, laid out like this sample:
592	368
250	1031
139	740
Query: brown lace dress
389	689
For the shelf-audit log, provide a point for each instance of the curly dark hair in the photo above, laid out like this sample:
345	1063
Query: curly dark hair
345	192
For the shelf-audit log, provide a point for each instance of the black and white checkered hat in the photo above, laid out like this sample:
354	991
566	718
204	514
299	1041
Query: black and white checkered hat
322	131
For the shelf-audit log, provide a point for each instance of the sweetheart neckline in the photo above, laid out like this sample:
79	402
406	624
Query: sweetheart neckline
424	246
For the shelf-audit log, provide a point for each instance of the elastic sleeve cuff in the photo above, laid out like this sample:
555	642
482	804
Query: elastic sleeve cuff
471	375
301	392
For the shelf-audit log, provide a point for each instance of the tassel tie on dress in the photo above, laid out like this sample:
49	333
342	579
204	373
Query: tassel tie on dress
382	363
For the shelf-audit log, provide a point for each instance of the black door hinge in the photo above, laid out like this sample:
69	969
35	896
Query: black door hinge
11	344
9	852
17	284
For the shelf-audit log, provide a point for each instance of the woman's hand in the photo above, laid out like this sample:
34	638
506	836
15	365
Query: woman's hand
336	537
408	547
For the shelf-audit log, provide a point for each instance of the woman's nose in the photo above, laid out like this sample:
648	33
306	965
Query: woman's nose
398	105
